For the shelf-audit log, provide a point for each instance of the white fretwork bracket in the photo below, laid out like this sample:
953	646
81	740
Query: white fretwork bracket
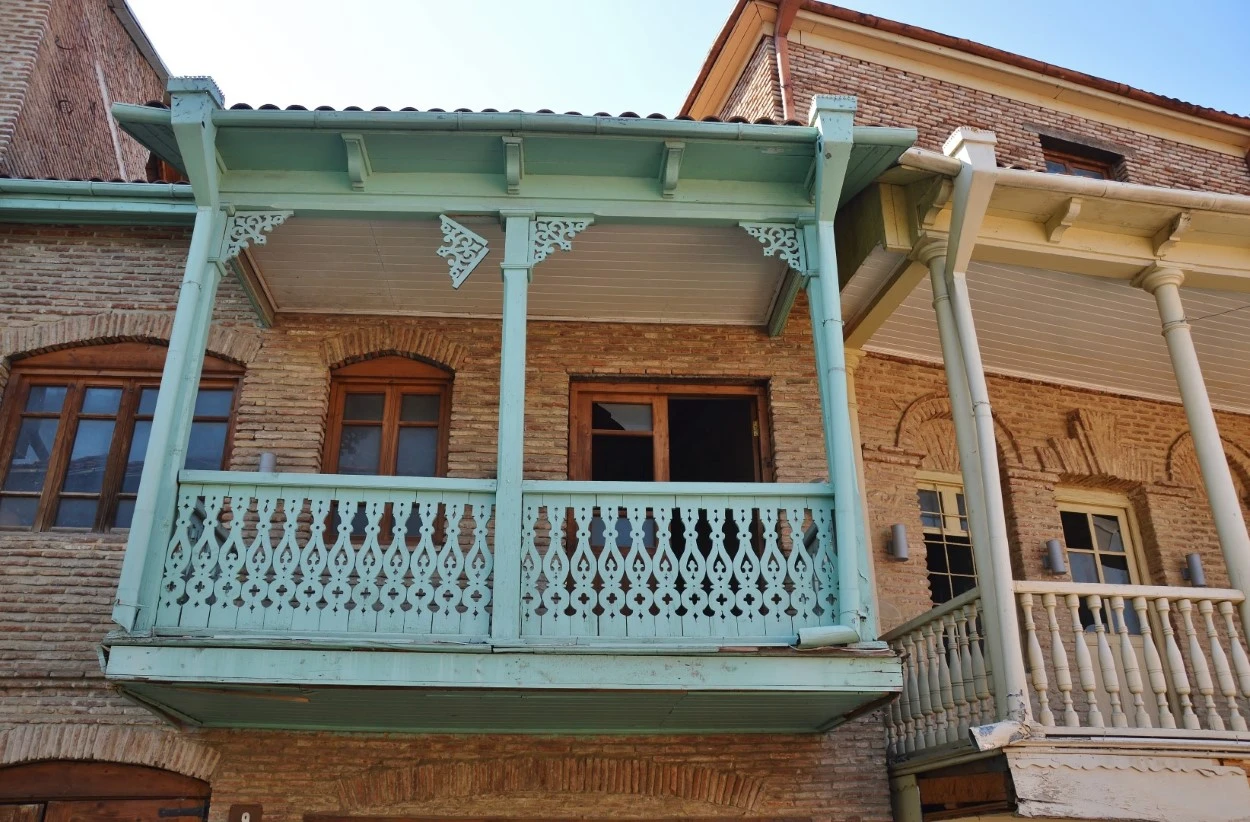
549	233
462	249
780	240
246	228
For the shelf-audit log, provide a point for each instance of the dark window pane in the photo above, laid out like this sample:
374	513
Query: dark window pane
89	456
147	401
45	398
935	556
134	461
930	508
1076	529
1115	569
1083	568
1055	167
31	453
420	407
360	449
963	511
76	513
940	588
960	557
622	459
1107	529
213	402
125	513
418	452
367	407
101	400
206	446
620	416
18	511
1089	172
960	585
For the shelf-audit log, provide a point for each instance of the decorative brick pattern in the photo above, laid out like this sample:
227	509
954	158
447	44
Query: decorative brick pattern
387	338
133	746
25	22
757	93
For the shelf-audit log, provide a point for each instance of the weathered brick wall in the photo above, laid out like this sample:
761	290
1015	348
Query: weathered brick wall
63	129
892	97
25	22
757	93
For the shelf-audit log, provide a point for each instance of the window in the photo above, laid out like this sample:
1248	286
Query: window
1064	157
648	432
1101	546
388	417
948	545
76	426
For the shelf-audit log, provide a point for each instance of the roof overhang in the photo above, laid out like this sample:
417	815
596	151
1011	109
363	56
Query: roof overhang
95	202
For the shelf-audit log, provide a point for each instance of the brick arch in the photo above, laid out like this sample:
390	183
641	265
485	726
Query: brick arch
386	339
926	427
153	747
1182	462
556	777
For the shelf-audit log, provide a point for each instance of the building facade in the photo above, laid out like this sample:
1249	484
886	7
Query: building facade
308	514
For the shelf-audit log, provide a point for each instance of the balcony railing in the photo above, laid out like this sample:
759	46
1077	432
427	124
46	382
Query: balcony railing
328	555
1102	659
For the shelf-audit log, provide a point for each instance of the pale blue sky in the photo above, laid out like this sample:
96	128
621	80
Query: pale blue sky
642	55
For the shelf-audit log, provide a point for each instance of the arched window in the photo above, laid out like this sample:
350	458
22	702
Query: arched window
75	432
388	417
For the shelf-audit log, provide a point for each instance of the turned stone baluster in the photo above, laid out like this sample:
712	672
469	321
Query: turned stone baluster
922	685
1240	661
980	668
959	703
1110	679
894	728
1202	673
1154	665
936	665
1059	660
1223	673
1128	658
907	742
1084	664
949	671
1176	662
966	688
1037	663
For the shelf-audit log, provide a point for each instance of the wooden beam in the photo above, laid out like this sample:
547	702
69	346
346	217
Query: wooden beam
358	167
791	283
888	298
670	167
247	271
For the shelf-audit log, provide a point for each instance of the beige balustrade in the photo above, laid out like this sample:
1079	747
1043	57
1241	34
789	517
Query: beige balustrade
1144	656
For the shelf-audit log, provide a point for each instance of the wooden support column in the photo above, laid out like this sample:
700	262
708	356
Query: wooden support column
1217	479
517	265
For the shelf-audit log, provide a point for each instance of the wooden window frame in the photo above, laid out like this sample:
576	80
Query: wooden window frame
1076	162
1085	501
393	376
132	367
583	393
948	487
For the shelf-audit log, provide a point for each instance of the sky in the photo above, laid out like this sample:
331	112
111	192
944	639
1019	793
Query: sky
642	55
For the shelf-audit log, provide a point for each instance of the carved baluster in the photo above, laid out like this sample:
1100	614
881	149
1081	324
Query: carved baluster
1128	658
1223	673
936	665
964	695
1154	665
1202	673
1176	662
980	678
1037	663
925	727
906	725
946	672
1059	661
1240	661
1110	678
1084	664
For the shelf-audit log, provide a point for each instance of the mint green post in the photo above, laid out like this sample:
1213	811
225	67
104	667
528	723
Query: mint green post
192	103
517	265
834	117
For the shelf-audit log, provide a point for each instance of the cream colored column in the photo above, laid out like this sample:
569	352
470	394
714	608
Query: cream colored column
1230	525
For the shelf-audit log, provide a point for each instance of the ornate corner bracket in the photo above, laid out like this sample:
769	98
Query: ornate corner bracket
549	233
246	228
462	249
780	240
1166	238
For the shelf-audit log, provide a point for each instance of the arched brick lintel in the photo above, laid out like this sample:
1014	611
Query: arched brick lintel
153	747
556	776
388	338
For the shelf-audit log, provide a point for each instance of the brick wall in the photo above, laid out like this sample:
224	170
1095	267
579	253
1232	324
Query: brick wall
60	123
892	97
757	93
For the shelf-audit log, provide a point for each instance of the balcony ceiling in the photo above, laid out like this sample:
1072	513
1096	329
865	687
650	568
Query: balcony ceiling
672	273
1086	331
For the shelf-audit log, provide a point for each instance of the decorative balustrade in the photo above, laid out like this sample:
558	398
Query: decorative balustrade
1133	656
676	560
325	553
947	680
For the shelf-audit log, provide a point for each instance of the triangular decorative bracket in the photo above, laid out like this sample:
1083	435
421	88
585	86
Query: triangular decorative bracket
780	240
246	228
549	233
462	249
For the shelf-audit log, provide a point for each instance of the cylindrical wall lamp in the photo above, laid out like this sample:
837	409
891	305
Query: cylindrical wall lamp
1053	560
898	542
268	463
1193	571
